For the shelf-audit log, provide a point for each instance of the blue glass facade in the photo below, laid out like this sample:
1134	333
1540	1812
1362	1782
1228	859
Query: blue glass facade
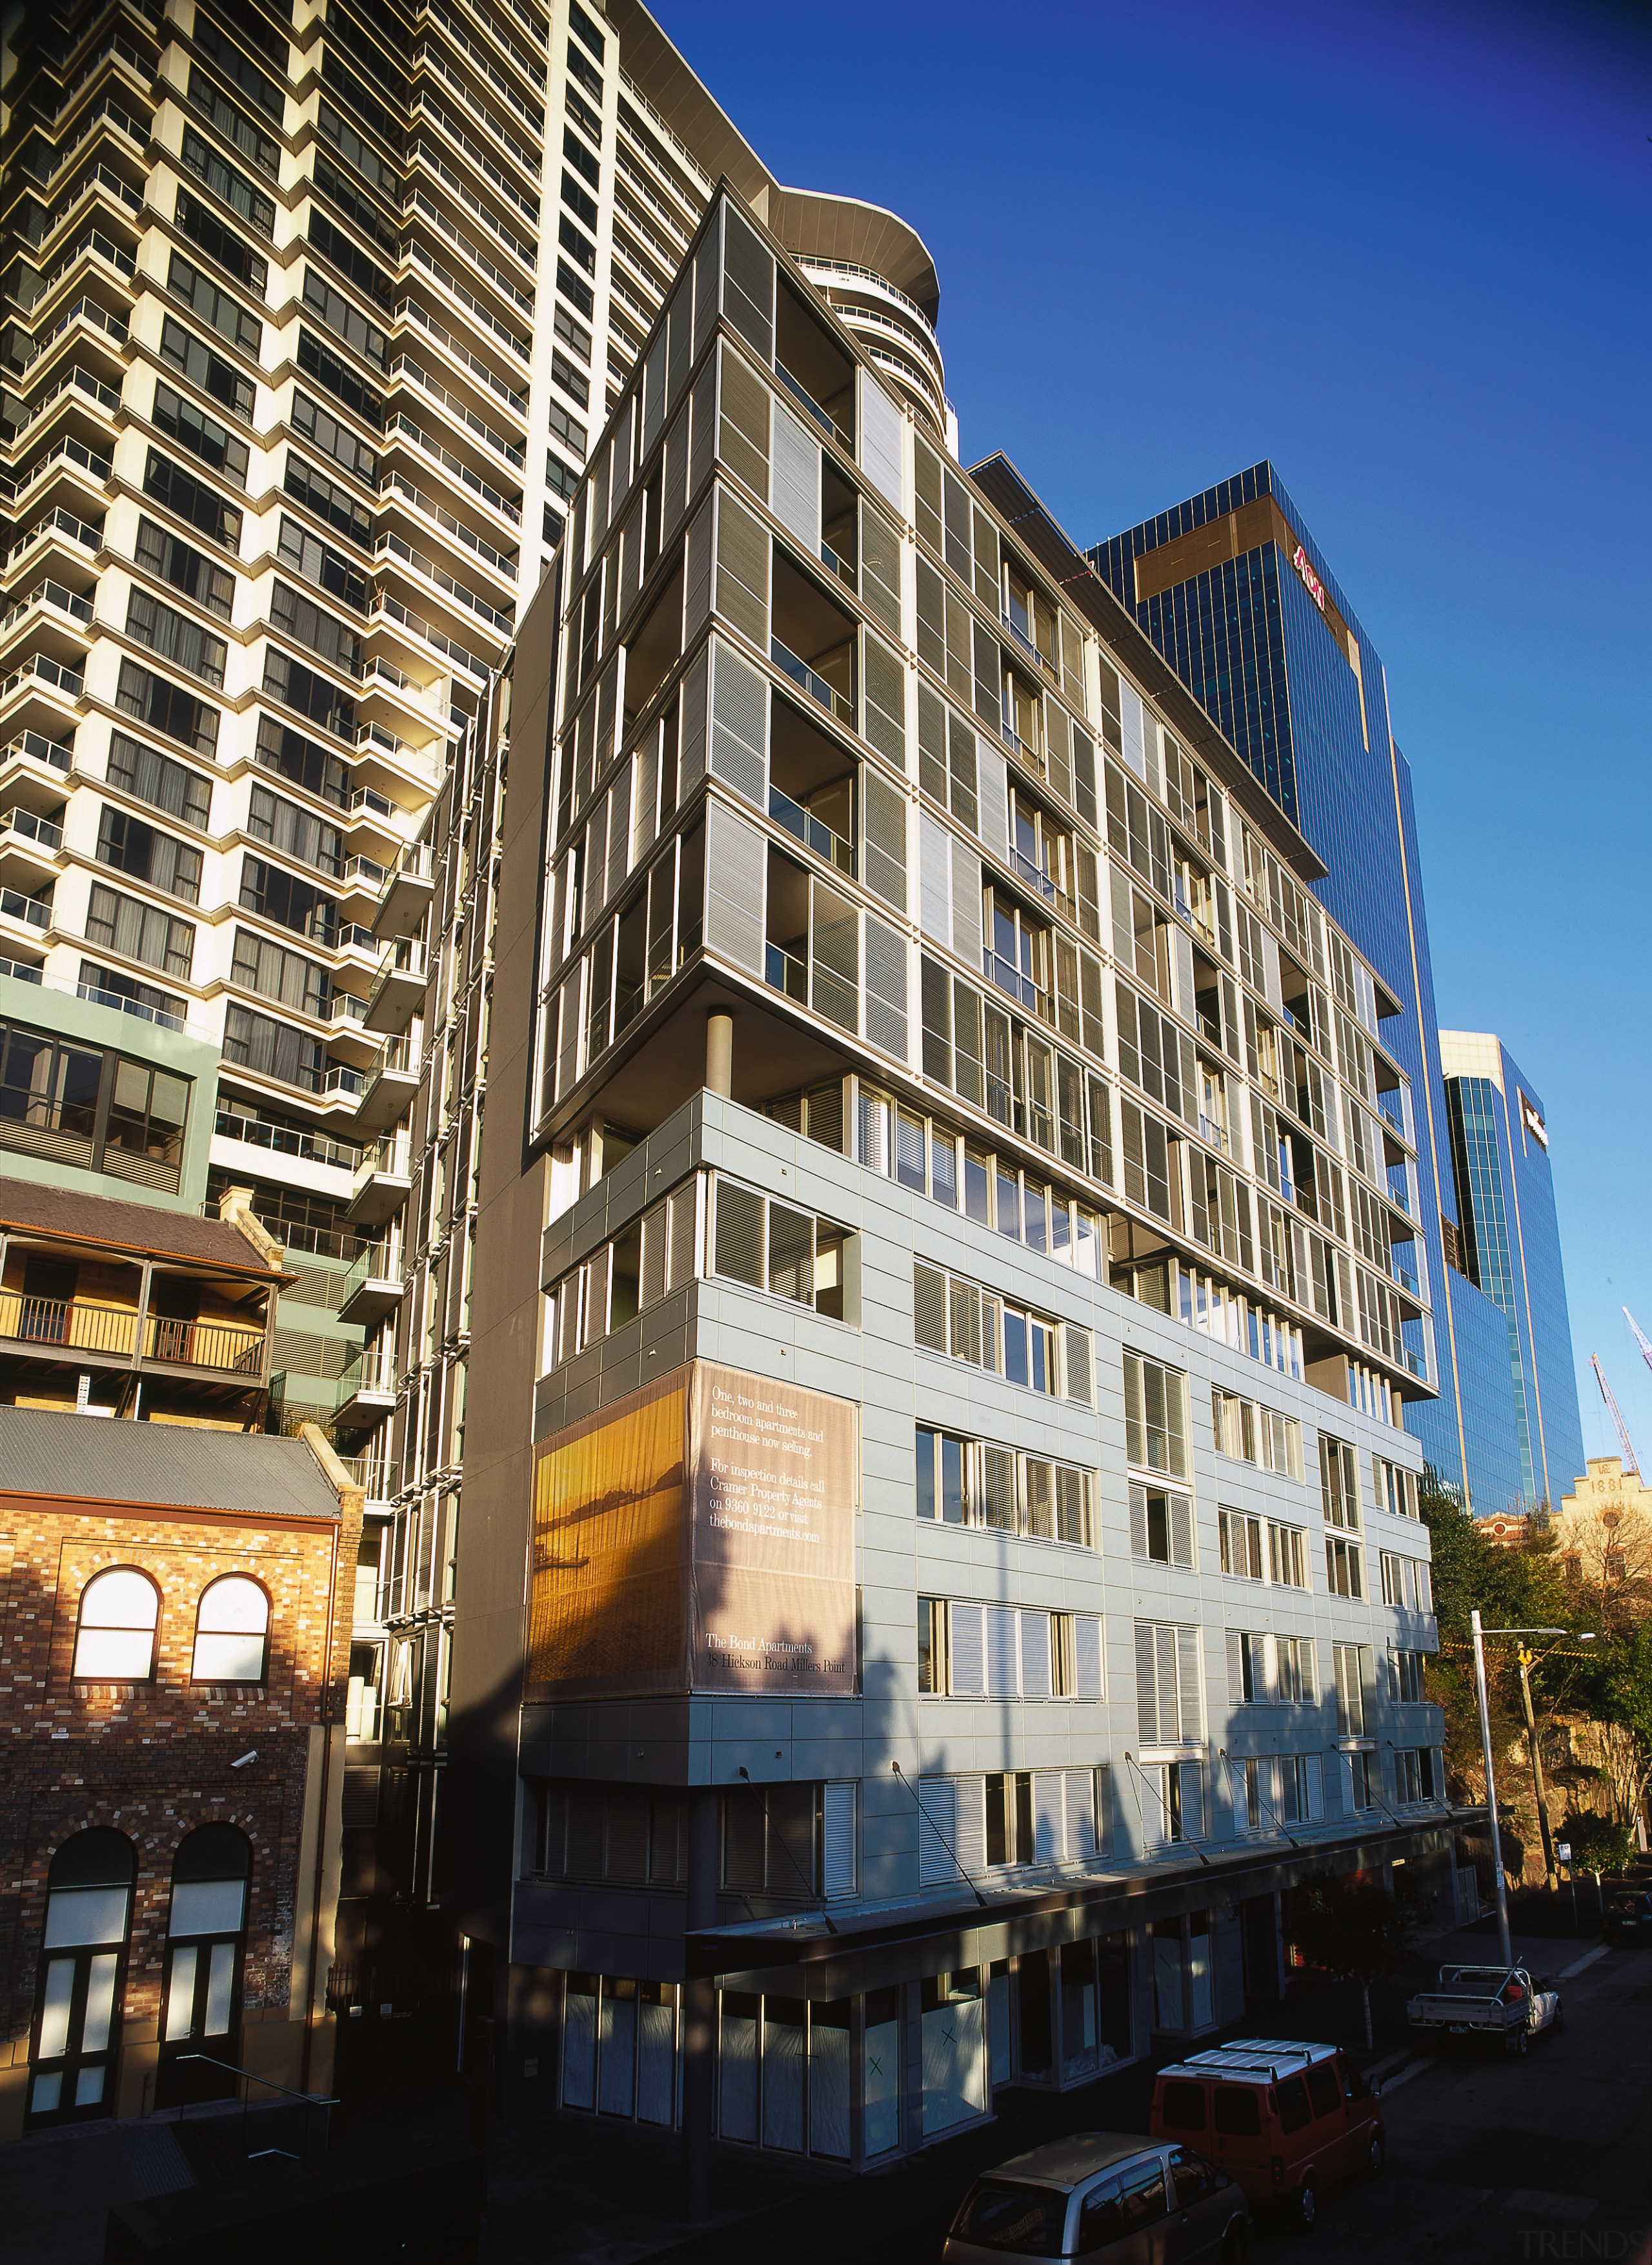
1248	638
1511	1249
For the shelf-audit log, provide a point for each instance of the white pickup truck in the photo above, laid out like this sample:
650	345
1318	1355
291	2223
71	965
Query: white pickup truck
1498	2002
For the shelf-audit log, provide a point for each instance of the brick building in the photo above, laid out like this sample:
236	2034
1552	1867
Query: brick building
174	1643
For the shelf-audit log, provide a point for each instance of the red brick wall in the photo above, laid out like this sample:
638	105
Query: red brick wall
153	1759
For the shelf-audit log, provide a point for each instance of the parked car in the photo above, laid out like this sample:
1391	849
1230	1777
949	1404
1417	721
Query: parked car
1109	2197
1501	2005
1284	2121
1629	1918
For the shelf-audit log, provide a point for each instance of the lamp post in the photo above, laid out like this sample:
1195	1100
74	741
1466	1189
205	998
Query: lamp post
1479	1633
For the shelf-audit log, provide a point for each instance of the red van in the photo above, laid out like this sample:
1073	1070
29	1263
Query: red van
1284	2121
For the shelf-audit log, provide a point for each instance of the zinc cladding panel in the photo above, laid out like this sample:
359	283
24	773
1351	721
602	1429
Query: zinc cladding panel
886	975
740	725
884	816
741	592
651	1273
749	283
736	859
881	443
795	461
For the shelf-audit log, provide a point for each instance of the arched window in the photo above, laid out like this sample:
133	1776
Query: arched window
88	1912
232	1631
205	1929
115	1641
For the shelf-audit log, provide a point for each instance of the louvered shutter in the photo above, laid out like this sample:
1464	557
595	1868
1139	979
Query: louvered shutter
1235	1669
1058	747
1181	1530
1087	1651
1049	1817
871	1132
1034	1655
1188	1673
968	1651
739	1234
680	332
991	771
651	1275
744	402
881	443
1002	1681
685	1233
1078	1801
742	569
1103	1808
966	904
740	725
568	1056
1146	1685
965	1303
737	855
1075	1344
790	1254
619	828
883	688
1192	1800
1316	1788
645	799
886	975
938	1829
568	1318
929	1307
1092	995
1171	1728
935	879
697	581
880	568
749	283
673	494
835	952
971	1824
596	1295
838	1851
596	864
1138	1521
691	757
884	814
1310	1680
796	479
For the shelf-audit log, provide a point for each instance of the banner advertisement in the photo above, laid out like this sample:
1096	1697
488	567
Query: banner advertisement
696	1536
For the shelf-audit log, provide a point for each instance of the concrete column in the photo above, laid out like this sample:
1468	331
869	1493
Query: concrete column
700	1995
719	1053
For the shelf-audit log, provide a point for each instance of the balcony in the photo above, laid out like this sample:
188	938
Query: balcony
398	987
360	883
405	897
66	1328
347	1035
373	1287
835	704
369	1392
388	1091
379	1478
30	848
383	1181
28	913
33	768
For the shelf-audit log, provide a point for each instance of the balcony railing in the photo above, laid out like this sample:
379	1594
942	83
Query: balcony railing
68	1322
800	673
1033	875
312	1148
378	1476
374	1375
804	826
28	828
29	909
823	418
59	754
203	1344
783	972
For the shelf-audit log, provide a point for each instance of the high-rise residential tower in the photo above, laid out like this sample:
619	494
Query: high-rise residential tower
1235	592
1511	1249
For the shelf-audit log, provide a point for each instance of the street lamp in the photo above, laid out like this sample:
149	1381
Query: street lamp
1485	1743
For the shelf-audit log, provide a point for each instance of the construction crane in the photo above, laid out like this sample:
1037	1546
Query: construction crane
1631	1461
1645	1349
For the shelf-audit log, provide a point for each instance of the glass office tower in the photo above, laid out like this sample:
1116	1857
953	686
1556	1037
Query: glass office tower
1511	1248
1241	601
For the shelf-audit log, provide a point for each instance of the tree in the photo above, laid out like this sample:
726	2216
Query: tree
1626	1719
1358	1934
1599	1845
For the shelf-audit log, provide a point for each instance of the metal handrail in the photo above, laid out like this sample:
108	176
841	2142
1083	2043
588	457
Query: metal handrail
310	2099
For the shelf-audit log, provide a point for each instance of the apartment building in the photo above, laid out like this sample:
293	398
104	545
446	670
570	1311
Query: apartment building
937	1332
170	1672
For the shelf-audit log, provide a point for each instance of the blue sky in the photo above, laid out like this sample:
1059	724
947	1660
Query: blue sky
1404	253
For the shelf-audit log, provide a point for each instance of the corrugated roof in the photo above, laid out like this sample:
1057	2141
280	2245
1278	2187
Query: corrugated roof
31	1206
108	1459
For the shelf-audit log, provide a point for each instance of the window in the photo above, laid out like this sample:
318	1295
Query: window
1287	1560
963	1481
1294	1658
1156	1416
324	431
1168	1712
207	370
273	1049
88	1912
1405	1582
253	206
166	709
320	362
216	308
205	1928
311	626
232	1629
285	977
343	320
973	1324
626	1277
1395	1488
967	1824
1342	1569
202	435
175	637
771	1839
1405	1675
99	1110
210	586
115	1634
1359	1781
1161	1526
1301	1789
768	1246
1241	1545
1339	1483
1416	1773
1349	1666
192	500
297	833
1251	1433
292	904
1002	1651
140	931
338	509
1249	1683
128	846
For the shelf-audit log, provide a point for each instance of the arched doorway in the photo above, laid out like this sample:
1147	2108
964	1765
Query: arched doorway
206	1939
78	1995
